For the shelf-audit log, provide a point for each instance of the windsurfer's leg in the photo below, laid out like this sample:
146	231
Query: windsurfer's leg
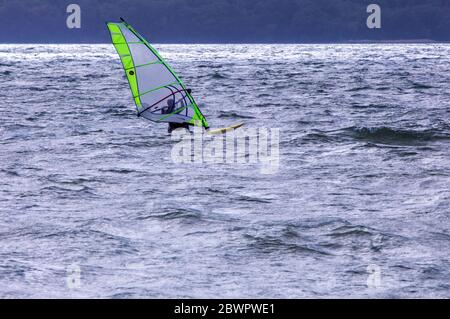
175	126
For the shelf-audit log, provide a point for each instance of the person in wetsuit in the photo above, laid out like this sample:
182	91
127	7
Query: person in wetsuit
173	126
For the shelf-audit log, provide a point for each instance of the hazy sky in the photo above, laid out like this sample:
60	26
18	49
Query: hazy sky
218	21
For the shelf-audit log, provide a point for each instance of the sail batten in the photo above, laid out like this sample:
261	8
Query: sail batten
158	88
150	63
158	92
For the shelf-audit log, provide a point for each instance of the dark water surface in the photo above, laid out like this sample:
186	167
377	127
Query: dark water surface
361	196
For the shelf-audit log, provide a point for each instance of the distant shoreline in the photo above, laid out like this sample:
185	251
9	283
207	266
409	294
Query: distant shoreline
414	41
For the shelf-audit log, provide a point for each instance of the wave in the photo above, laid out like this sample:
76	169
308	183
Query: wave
204	66
226	115
218	76
123	171
243	198
320	137
394	136
185	215
375	135
96	76
369	106
352	231
10	172
37	89
359	88
68	79
67	192
415	85
272	244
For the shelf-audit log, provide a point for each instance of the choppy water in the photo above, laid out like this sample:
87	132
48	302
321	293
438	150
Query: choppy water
362	194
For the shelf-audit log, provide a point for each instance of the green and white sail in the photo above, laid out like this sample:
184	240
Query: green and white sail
159	94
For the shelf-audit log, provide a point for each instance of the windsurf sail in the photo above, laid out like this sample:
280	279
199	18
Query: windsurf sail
159	94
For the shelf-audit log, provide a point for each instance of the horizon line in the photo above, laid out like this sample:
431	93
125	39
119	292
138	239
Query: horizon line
417	41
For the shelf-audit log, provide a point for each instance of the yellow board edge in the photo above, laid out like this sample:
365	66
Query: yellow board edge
226	129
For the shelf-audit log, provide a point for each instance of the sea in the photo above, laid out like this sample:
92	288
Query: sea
93	205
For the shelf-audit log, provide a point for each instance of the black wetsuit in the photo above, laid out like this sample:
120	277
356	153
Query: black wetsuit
175	126
170	109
